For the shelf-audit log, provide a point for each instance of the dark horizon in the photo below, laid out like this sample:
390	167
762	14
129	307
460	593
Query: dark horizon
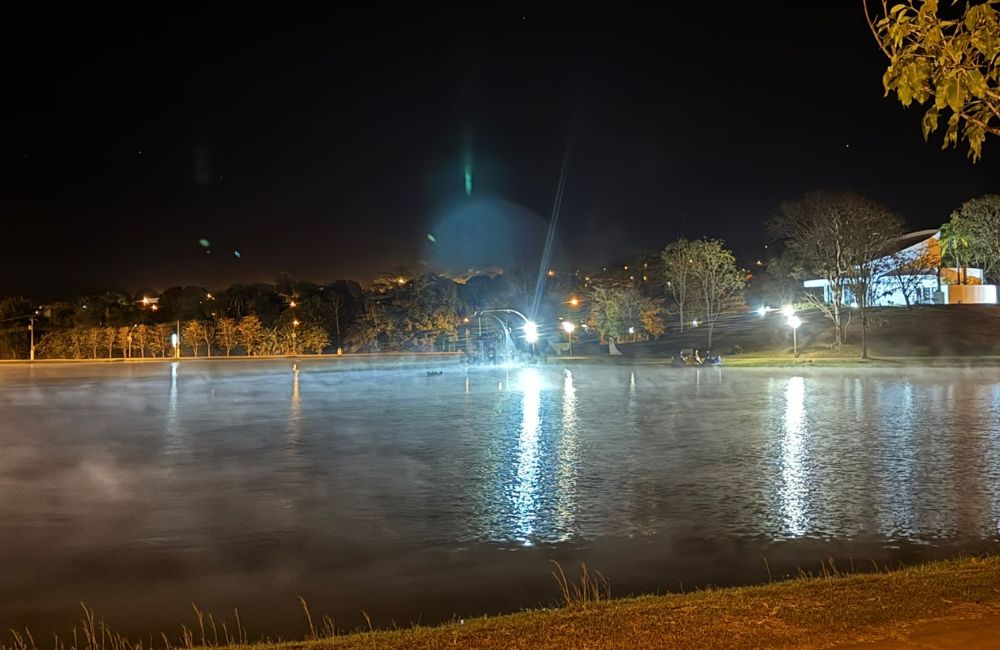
332	149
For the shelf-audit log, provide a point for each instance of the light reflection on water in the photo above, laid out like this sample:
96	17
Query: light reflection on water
794	476
193	474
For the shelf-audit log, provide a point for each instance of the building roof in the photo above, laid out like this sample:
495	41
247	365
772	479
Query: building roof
914	238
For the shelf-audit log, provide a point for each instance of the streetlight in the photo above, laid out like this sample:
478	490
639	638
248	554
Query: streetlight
31	330
295	324
530	331
762	312
568	327
788	311
794	322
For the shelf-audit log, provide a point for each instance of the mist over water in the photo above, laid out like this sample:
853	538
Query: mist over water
140	489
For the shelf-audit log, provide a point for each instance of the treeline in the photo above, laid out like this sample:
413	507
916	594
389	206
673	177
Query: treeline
399	311
224	336
847	240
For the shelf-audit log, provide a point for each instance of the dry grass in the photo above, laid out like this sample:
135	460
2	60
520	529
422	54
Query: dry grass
811	612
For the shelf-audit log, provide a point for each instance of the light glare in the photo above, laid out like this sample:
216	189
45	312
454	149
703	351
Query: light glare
530	331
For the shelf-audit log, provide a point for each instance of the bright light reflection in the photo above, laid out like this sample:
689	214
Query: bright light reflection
173	441
295	409
566	471
794	487
525	495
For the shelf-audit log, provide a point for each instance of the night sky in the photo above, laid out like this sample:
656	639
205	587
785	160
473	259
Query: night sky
330	146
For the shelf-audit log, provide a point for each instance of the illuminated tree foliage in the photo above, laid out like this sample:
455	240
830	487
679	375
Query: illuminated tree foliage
978	223
624	314
226	334
676	258
948	62
251	335
716	283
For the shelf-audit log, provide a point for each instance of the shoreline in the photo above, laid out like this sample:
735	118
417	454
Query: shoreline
938	600
394	359
825	611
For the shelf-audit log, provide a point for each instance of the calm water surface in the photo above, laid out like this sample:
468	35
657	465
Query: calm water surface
141	489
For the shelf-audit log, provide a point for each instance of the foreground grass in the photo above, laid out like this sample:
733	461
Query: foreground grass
811	613
802	613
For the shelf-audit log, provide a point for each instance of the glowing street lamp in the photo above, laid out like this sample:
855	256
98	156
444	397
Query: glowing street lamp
762	312
568	327
788	311
574	301
794	322
530	331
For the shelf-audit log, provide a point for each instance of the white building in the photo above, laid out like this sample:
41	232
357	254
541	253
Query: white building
929	282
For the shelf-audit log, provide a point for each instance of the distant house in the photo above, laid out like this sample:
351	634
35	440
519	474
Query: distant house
914	275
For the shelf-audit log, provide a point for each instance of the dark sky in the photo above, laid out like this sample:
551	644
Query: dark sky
330	146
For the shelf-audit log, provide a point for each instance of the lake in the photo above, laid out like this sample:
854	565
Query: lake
141	488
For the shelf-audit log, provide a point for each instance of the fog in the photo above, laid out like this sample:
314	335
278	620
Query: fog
139	489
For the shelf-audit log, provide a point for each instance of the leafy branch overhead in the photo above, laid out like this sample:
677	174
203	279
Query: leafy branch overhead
944	60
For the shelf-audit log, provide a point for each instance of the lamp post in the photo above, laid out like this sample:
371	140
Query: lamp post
176	340
31	329
794	322
568	327
295	325
530	328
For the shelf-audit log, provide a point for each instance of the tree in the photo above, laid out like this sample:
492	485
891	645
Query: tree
109	336
956	246
312	338
54	345
163	332
250	334
337	301
908	270
194	334
829	234
125	341
93	337
981	219
623	312
953	62
364	332
227	334
208	335
782	280
715	280
676	259
142	336
874	234
14	339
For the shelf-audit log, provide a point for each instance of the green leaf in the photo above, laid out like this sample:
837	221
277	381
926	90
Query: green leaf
976	83
954	94
940	97
903	91
930	122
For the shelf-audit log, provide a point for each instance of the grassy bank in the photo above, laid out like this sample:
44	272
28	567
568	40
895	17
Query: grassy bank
922	332
818	612
803	613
